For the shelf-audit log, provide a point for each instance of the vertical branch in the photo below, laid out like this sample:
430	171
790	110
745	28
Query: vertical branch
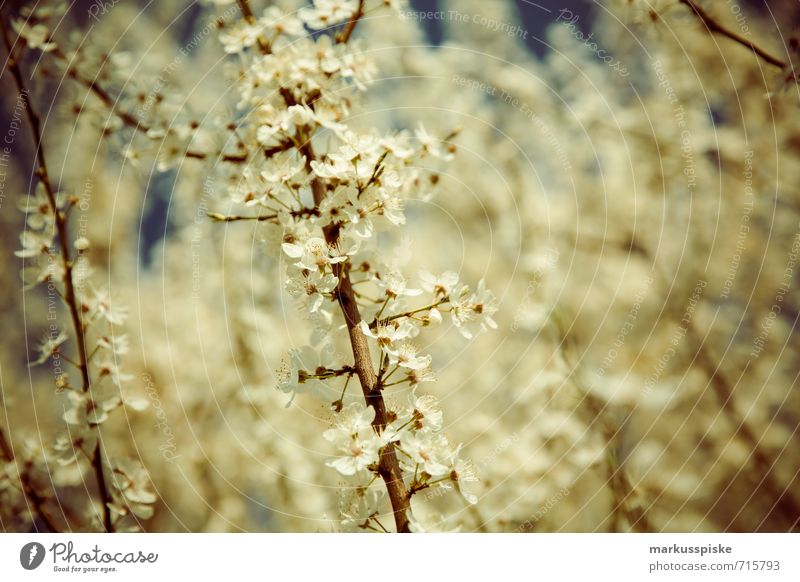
389	466
70	297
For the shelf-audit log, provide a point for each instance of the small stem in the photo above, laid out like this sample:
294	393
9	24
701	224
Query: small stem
328	373
395	383
383	307
381	366
376	172
70	360
236	217
338	404
386	320
375	519
392	371
405	424
94	351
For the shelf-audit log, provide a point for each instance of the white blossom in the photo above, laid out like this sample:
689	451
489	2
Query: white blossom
462	474
36	36
49	345
354	439
440	285
406	355
298	373
425	452
387	334
132	488
472	313
326	13
426	413
394	285
314	254
101	305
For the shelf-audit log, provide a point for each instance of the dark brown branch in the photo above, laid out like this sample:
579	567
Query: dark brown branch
389	466
714	26
130	121
70	297
103	95
724	394
5	447
347	32
618	481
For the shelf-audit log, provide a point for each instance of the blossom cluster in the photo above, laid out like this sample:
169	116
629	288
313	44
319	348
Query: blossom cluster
329	213
62	265
297	130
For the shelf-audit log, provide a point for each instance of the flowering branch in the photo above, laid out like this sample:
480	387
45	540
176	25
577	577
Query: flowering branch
714	26
355	190
389	467
60	221
621	487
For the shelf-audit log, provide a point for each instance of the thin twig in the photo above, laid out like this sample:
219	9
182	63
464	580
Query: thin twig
69	287
386	320
715	26
236	217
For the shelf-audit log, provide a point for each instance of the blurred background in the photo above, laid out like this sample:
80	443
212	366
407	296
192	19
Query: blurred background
626	182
